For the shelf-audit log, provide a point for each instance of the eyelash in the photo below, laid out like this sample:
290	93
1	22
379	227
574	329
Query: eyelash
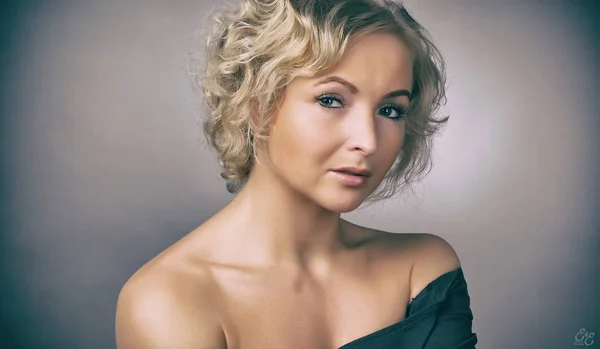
400	109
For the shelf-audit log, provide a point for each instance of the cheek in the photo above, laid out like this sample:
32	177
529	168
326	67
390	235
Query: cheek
298	136
391	140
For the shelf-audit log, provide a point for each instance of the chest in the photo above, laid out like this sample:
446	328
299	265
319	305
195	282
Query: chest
288	313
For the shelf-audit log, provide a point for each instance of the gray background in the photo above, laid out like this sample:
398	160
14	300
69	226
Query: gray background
103	166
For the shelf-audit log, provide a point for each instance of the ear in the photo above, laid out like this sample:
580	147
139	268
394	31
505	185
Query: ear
254	114
258	117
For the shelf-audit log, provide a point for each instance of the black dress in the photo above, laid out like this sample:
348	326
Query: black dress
439	317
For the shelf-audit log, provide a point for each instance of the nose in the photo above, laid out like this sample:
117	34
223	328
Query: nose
362	133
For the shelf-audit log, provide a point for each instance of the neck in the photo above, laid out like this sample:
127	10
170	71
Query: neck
287	227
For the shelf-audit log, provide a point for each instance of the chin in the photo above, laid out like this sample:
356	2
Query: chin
342	203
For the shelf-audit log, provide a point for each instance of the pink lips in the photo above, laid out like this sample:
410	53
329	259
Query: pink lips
352	176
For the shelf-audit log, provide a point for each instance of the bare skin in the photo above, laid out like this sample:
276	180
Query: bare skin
277	267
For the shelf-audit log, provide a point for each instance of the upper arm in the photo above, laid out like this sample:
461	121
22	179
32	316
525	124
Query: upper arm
453	328
434	257
157	313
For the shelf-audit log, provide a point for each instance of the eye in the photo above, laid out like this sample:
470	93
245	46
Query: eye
330	101
394	112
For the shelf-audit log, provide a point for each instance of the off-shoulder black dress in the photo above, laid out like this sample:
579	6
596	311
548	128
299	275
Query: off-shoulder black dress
439	317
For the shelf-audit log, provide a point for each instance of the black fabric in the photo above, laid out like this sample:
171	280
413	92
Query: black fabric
439	317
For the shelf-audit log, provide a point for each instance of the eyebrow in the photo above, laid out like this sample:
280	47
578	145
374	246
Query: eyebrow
354	89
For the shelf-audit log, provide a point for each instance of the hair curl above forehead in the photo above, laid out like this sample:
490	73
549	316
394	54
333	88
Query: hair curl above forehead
254	50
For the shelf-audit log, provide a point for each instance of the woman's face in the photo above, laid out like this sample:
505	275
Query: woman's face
335	136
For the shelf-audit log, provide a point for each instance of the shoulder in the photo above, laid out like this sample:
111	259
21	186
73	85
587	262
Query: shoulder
429	256
433	257
163	306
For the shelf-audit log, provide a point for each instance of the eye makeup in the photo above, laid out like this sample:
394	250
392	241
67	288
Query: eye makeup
331	100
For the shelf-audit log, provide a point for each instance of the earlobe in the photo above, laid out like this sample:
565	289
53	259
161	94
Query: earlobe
258	121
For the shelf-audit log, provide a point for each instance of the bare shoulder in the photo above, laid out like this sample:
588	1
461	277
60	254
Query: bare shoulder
434	257
430	256
168	306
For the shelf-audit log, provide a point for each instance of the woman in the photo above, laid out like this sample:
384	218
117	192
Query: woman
315	107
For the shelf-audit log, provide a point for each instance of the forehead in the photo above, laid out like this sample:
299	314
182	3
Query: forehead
378	63
377	60
374	63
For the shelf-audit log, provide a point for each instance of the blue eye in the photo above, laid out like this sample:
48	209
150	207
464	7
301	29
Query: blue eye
394	112
329	101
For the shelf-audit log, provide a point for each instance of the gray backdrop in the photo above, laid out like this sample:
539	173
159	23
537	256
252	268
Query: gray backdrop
103	166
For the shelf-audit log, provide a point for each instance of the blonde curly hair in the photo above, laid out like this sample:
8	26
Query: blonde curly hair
254	51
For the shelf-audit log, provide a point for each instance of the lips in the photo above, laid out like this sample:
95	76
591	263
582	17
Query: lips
352	176
354	171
